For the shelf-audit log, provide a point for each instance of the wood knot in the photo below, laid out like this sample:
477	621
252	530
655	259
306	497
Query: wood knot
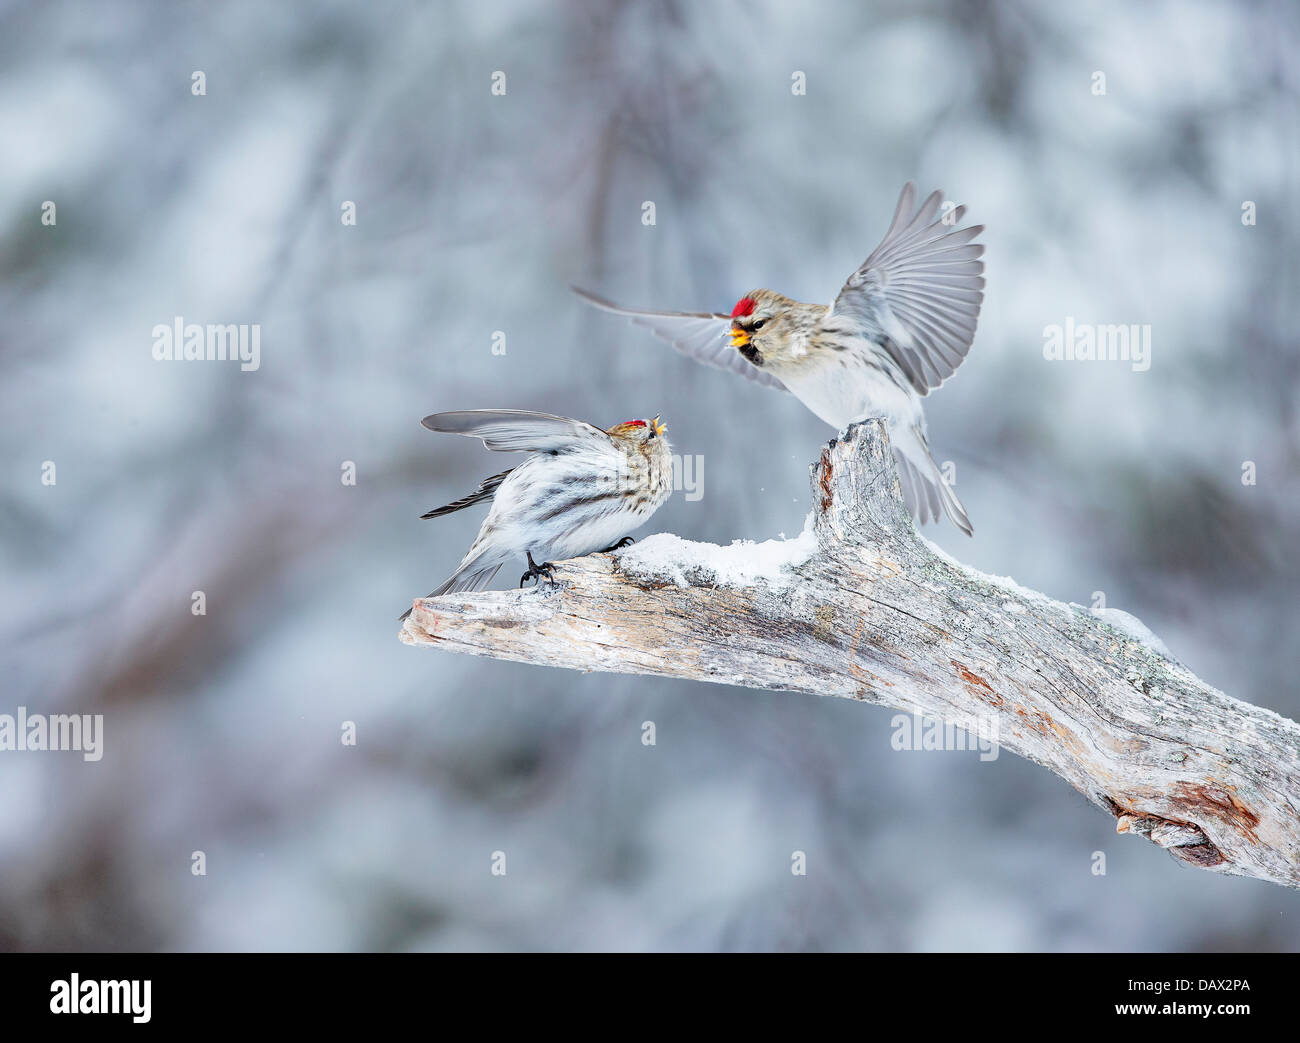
1217	802
824	481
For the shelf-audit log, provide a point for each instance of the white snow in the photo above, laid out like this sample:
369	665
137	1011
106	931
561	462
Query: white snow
665	558
939	552
1133	627
1120	620
1034	597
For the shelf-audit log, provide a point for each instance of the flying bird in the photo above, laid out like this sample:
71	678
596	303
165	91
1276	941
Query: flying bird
580	489
899	327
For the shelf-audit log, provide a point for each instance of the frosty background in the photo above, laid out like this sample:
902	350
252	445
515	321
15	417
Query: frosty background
474	212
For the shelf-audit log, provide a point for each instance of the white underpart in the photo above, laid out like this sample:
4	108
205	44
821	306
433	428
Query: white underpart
842	395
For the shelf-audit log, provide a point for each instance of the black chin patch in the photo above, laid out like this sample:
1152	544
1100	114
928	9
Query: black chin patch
752	353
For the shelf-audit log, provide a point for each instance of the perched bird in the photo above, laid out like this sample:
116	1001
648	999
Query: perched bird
900	326
580	490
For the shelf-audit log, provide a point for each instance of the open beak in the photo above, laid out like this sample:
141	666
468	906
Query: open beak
658	427
739	337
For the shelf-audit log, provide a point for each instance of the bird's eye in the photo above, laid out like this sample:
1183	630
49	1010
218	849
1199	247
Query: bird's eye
759	324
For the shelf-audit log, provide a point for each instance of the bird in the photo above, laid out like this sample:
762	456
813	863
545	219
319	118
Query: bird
579	490
898	328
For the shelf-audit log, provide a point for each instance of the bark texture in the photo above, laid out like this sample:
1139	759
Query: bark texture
872	612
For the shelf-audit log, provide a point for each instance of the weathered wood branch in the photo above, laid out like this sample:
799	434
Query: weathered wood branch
862	607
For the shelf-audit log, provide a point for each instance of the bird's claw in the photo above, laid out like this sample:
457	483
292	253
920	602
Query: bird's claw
626	541
536	571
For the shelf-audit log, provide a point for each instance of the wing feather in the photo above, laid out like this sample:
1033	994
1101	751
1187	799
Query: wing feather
702	336
486	490
518	430
919	294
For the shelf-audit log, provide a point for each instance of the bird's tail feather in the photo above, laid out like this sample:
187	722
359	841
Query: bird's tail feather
927	495
953	506
473	574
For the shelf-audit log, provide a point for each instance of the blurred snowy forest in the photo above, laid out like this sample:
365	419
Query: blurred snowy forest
474	211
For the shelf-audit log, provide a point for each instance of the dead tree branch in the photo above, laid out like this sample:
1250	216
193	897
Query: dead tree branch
861	607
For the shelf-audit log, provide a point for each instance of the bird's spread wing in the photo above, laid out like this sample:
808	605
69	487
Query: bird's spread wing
519	431
699	335
919	293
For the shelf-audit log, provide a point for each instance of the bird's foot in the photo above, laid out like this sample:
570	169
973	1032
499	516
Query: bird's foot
626	541
536	571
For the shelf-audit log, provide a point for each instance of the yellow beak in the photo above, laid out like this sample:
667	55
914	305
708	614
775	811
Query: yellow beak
739	337
659	428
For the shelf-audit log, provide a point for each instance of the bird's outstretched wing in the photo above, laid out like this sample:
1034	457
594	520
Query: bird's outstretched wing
518	430
700	335
919	293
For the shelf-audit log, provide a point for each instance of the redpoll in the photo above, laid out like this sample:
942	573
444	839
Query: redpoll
899	327
581	489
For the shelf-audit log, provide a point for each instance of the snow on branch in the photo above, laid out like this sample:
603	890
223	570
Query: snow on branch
860	606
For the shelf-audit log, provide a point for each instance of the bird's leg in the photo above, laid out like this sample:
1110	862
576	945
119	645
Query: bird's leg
536	571
626	541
